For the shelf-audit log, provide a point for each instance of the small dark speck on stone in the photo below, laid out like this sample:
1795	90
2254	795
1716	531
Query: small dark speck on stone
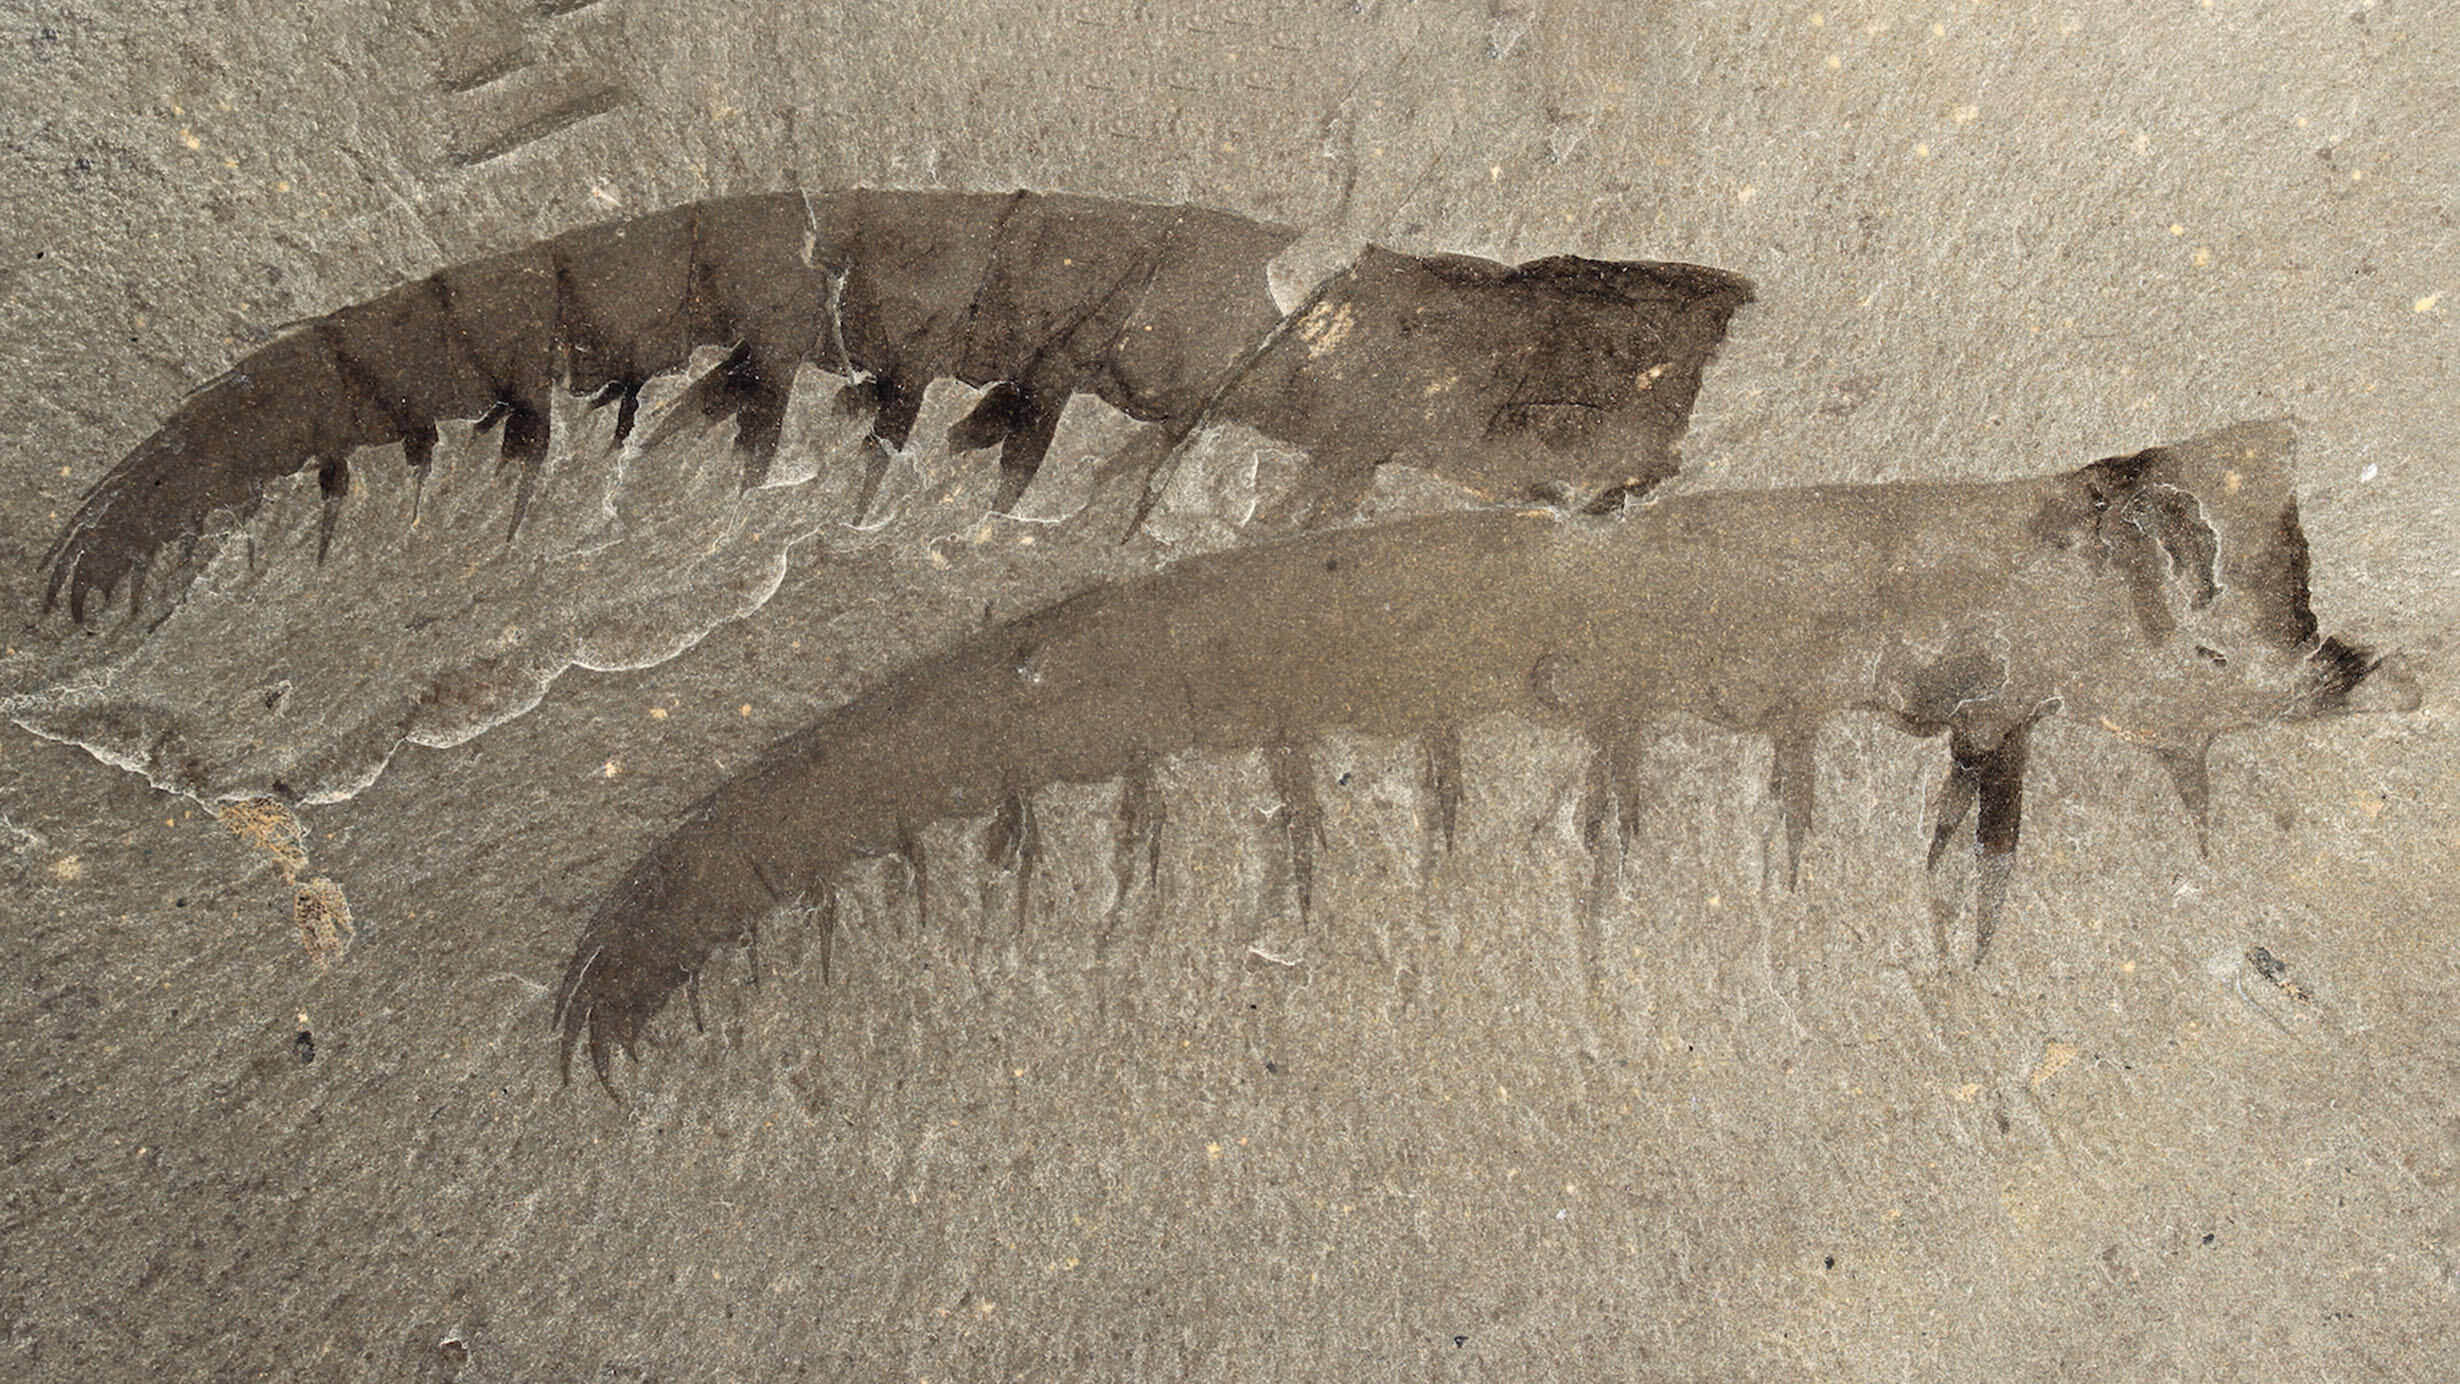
179	903
1459	1341
1829	1262
2207	1237
1273	1067
305	1046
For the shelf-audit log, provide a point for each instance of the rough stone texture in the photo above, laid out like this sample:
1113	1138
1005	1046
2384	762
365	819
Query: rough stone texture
1459	1126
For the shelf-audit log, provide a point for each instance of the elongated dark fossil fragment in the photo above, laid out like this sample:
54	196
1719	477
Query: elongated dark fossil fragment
2161	596
1565	376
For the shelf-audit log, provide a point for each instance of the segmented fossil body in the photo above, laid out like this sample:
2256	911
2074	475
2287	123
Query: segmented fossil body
2161	595
1567	376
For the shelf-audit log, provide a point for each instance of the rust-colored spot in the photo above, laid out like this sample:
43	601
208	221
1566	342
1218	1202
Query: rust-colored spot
269	825
323	918
317	907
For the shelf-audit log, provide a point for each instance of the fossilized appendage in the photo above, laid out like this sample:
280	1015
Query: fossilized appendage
2162	596
1565	375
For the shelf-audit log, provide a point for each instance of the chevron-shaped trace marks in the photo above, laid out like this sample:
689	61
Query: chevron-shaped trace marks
541	110
517	73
